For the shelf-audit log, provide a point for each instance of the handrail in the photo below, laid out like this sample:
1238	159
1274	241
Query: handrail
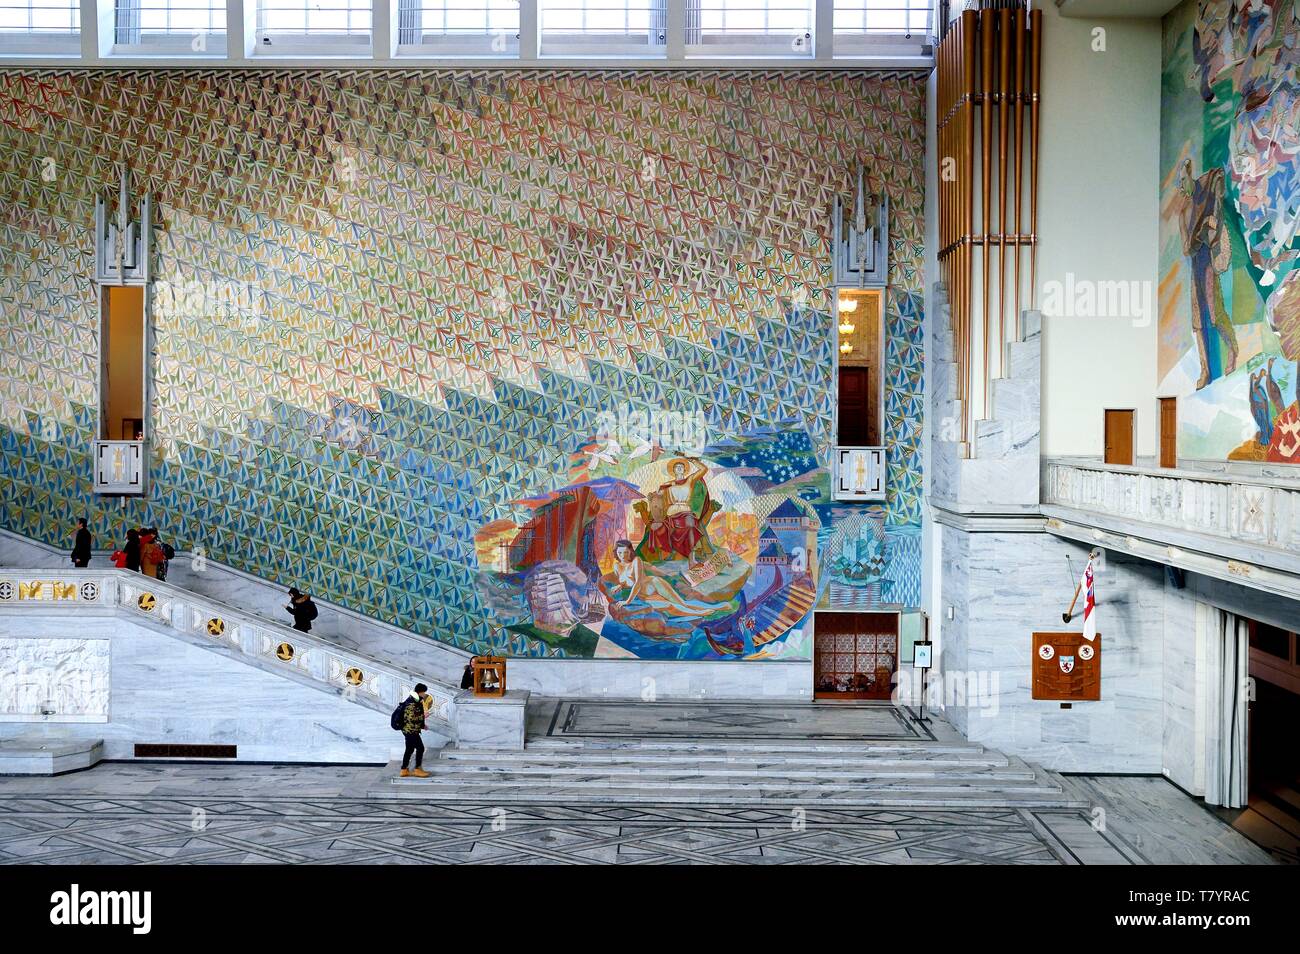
358	677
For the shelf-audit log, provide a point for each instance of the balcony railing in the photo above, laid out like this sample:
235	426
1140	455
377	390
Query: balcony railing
1256	511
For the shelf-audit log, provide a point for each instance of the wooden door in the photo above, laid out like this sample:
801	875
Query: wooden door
855	408
1119	437
1169	432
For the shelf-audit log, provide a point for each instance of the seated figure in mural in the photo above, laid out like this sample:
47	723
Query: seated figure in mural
631	581
677	515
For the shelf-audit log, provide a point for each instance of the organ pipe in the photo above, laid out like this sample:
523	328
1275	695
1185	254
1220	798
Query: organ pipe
990	60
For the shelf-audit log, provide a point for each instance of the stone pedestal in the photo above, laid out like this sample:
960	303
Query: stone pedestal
53	755
491	722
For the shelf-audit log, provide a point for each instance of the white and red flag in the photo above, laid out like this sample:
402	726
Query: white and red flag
1089	604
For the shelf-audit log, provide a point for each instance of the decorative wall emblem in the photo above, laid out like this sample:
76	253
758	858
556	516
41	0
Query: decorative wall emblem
1077	673
355	676
147	602
6	591
216	626
284	652
89	591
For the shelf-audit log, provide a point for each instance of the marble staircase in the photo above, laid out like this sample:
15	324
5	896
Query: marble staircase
263	599
921	774
65	597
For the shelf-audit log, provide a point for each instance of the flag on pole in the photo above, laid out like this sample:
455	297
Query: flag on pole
1089	605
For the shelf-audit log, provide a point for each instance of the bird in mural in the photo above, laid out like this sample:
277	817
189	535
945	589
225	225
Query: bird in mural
1276	403
605	451
648	446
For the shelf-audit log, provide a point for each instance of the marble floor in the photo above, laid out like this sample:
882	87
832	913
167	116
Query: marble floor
145	813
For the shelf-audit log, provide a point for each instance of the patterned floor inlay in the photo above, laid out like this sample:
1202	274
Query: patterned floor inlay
198	813
734	721
75	830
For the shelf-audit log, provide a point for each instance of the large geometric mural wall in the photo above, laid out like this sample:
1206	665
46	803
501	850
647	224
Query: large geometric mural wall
1230	214
432	344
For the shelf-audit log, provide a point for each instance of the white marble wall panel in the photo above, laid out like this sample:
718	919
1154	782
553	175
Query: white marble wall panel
1006	586
648	680
54	680
1180	684
165	690
491	722
1002	473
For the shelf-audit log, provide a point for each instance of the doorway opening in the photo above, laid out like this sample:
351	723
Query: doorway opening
860	370
1272	815
122	372
855	655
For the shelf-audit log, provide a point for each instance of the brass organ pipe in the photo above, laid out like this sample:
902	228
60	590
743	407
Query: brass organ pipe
968	223
1019	158
1004	84
954	194
1036	74
986	172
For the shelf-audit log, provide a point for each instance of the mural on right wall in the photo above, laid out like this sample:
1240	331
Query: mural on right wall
1230	208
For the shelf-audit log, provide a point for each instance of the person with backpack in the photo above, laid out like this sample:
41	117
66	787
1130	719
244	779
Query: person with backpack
408	719
81	544
151	553
302	608
168	553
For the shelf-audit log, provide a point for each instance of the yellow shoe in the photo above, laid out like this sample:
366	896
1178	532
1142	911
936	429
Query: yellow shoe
404	773
420	773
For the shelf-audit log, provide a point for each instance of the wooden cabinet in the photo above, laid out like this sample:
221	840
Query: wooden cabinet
1168	432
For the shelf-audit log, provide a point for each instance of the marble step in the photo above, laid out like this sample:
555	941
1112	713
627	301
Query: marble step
895	794
672	772
802	746
828	760
1025	358
1031	323
1015	774
999	440
1016	399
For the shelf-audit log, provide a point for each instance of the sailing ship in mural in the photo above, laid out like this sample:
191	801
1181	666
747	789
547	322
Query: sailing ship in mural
1230	156
708	556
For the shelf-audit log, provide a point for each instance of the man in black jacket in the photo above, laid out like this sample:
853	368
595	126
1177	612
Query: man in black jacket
302	608
81	545
412	726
